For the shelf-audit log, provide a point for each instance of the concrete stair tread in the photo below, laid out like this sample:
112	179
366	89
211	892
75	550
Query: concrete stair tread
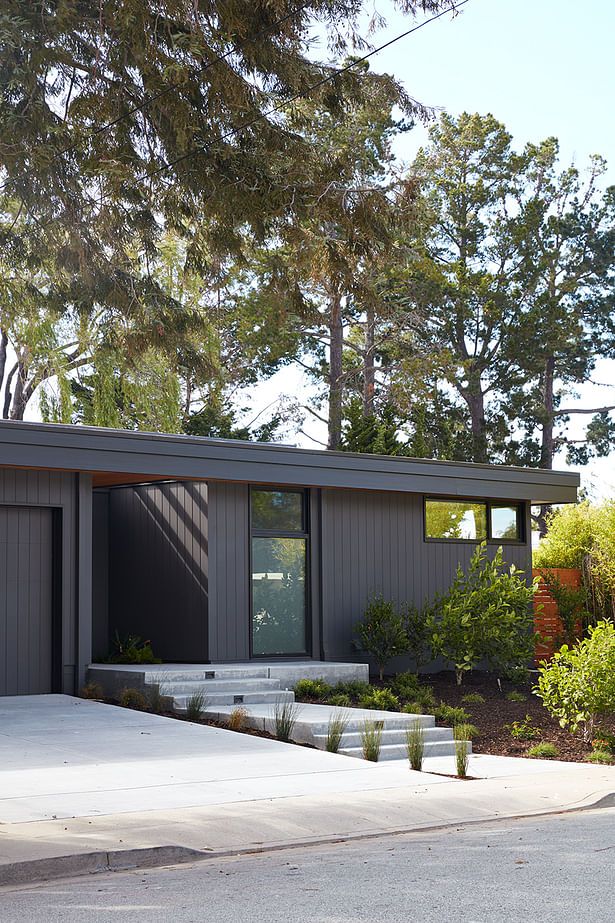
215	686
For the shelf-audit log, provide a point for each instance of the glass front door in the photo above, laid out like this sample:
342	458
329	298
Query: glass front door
279	572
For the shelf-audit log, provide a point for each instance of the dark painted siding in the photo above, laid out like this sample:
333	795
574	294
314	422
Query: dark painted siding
42	491
373	542
100	573
158	567
229	572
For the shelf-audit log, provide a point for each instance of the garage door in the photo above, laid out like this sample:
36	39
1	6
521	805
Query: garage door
25	600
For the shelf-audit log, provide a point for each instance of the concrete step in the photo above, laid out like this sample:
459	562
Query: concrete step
211	687
397	752
204	674
389	736
389	721
230	699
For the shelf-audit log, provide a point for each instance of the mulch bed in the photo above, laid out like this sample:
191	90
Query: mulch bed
496	711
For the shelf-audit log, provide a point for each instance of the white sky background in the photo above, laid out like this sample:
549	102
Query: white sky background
543	68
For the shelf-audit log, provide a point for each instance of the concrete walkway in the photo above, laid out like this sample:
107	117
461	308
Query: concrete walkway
87	786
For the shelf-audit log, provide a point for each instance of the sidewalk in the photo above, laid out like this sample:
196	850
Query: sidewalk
130	789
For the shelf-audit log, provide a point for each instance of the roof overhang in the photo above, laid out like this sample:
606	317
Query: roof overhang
119	456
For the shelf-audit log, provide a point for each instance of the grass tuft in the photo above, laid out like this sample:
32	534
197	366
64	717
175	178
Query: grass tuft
462	755
415	745
285	716
543	751
473	698
371	739
338	722
195	706
237	718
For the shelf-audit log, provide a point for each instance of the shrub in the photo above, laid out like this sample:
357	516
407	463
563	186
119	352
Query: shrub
413	708
418	626
371	739
338	722
341	700
571	607
195	706
451	715
543	751
237	718
131	649
285	716
92	691
523	730
486	615
569	537
465	731
516	696
132	698
380	699
579	682
406	685
599	756
312	689
473	698
353	688
381	632
415	745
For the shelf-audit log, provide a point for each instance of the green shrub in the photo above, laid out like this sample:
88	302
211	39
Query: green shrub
578	684
381	632
604	741
92	691
473	698
413	708
406	685
599	756
516	696
523	730
341	700
285	716
379	699
312	689
132	698
131	649
465	731
418	626
543	751
353	688
570	537
451	715
486	615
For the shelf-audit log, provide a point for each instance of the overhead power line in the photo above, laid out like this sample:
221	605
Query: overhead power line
277	108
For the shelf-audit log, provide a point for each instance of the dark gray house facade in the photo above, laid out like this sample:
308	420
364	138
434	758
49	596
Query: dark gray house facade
222	551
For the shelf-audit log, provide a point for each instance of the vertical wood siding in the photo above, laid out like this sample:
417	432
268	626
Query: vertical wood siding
28	498
373	543
229	572
158	567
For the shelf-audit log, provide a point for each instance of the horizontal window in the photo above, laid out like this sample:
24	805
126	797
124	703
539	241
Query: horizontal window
472	520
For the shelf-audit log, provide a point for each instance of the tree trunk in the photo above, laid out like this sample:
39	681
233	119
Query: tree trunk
336	338
19	396
476	406
547	447
4	340
369	372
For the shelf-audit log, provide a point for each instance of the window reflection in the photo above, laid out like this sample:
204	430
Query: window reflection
504	522
456	519
280	510
278	596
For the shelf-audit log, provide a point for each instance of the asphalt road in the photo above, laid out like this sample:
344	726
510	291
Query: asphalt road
559	868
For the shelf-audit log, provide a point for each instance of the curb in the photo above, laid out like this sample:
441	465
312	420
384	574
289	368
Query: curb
34	871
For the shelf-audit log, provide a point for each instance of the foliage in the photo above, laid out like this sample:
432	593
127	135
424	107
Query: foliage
237	718
465	731
451	714
340	700
406	685
413	708
131	649
600	756
485	615
354	688
371	739
195	706
133	698
462	756
92	691
515	696
418	626
381	631
472	698
285	716
379	699
569	538
415	744
313	689
604	741
543	751
570	602
523	729
578	684
337	724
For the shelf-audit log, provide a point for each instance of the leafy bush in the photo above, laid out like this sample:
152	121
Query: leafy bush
599	756
571	607
341	700
486	615
465	731
451	715
132	698
406	685
543	751
131	649
379	699
523	730
413	708
418	626
312	689
354	688
570	537
578	684
473	698
381	632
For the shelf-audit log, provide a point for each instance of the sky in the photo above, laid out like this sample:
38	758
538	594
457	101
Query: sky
543	68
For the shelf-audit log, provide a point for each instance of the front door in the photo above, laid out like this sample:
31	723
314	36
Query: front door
279	572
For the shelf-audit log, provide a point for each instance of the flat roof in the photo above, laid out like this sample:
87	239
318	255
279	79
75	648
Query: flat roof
120	456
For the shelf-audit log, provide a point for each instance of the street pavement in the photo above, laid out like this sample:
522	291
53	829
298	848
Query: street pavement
86	786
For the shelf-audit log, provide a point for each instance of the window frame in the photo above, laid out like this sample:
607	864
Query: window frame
519	505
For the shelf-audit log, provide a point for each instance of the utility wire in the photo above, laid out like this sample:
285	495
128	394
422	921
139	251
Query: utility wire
173	86
277	108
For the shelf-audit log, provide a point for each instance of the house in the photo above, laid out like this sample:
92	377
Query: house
221	551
